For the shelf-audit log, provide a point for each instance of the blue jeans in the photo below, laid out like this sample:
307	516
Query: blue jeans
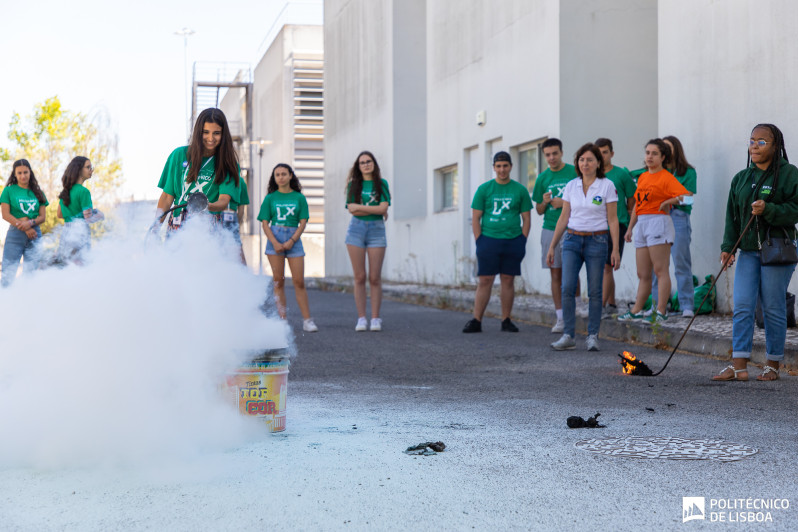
592	251
17	246
682	262
751	279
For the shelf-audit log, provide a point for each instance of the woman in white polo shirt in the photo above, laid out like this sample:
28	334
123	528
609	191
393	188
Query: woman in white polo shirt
589	222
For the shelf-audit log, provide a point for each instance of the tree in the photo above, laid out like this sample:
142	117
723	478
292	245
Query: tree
51	136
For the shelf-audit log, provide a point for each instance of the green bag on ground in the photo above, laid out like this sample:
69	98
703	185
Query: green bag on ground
700	292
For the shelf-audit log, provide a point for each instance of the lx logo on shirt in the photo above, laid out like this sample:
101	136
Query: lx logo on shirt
198	187
505	204
289	210
645	198
27	206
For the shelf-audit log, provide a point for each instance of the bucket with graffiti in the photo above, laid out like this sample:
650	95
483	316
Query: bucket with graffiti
259	388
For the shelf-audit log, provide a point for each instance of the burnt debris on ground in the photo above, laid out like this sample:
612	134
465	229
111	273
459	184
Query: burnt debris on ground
576	422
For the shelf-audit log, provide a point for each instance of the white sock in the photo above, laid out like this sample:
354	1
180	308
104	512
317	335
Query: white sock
559	314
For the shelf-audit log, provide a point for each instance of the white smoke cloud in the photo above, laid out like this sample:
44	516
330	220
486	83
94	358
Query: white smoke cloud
119	361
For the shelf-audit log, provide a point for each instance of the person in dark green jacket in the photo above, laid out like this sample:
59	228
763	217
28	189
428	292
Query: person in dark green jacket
768	191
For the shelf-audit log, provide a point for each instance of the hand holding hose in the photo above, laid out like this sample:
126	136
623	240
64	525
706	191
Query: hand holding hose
758	207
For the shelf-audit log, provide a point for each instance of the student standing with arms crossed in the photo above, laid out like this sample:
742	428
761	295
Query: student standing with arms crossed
547	196
500	239
367	200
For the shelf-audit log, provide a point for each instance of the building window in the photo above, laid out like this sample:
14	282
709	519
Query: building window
530	164
446	188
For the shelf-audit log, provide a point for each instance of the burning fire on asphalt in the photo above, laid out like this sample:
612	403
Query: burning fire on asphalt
634	366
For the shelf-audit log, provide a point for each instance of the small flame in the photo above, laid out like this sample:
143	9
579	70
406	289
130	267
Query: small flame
627	362
634	366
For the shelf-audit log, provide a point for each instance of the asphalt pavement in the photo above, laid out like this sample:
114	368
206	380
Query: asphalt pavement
499	402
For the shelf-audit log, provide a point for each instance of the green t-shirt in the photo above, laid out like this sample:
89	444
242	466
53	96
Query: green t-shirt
22	202
625	187
287	209
79	201
690	182
173	179
553	182
368	198
243	196
501	207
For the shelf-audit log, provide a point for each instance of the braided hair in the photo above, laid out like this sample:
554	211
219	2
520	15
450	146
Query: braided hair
779	150
32	184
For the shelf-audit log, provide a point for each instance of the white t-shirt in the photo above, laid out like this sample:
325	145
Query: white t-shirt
589	211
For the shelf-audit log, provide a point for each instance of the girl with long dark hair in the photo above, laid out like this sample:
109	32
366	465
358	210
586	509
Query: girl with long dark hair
367	200
768	190
657	191
208	165
680	215
23	207
284	214
77	210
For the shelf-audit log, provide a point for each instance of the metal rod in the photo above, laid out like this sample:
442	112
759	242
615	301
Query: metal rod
695	315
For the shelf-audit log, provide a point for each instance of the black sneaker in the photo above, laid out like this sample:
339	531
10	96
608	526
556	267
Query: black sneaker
473	325
508	326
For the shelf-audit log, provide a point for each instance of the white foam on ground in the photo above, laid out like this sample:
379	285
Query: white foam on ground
119	361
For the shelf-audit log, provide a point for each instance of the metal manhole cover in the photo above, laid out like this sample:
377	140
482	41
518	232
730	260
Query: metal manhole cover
667	448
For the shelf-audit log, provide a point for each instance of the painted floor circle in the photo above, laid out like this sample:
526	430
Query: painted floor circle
667	448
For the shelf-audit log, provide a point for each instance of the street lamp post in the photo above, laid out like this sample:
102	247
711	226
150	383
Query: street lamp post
186	33
260	143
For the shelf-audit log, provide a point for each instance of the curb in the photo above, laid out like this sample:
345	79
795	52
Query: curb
534	311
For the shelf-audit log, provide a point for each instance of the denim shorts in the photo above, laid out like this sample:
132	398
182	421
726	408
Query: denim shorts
284	234
500	255
366	234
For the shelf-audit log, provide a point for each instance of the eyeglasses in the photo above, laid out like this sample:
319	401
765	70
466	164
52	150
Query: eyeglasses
760	143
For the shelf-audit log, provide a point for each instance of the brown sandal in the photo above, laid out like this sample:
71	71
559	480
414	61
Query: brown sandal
765	371
730	376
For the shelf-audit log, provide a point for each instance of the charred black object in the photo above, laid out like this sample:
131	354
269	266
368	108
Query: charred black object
638	367
576	422
427	448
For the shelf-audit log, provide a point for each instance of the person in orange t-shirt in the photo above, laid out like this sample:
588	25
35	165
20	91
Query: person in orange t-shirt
657	191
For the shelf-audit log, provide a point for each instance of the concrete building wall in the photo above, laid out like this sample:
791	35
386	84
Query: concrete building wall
608	87
723	68
503	60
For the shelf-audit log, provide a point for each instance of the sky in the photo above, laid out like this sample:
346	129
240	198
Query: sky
124	59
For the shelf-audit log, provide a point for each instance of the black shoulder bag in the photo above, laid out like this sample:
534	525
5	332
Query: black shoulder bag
775	251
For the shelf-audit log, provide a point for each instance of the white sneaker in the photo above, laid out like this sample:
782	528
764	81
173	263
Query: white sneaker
565	342
647	313
376	324
582	311
592	342
309	326
688	314
362	325
559	326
